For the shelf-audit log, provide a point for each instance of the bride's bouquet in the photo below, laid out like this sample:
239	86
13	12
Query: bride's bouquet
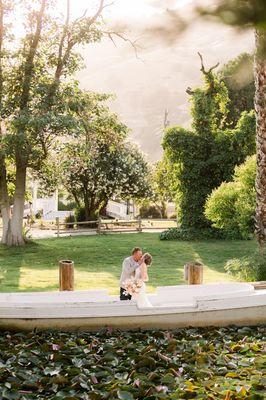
132	286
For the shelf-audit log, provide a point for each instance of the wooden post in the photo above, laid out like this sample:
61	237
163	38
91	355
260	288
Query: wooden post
57	226
194	273
139	226
66	275
99	226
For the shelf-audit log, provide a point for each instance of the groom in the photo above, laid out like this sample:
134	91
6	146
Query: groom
129	266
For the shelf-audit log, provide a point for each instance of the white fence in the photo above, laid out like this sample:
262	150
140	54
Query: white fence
117	210
52	215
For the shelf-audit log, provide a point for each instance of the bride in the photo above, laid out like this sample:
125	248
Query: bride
142	273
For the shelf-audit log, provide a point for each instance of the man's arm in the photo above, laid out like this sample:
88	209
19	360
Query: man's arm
126	264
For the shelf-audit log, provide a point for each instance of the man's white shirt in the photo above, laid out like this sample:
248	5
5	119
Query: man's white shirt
129	267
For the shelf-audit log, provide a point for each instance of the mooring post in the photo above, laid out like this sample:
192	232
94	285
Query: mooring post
193	272
66	275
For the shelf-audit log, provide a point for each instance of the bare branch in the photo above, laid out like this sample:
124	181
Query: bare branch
166	121
29	63
98	12
202	65
203	68
80	18
134	44
190	91
215	66
108	5
61	44
102	6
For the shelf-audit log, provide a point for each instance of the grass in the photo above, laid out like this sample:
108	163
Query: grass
98	261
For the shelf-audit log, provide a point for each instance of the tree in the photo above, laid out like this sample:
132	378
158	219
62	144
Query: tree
163	189
246	14
206	156
35	94
98	163
238	77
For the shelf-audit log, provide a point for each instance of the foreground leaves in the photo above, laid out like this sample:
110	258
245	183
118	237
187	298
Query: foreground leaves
225	363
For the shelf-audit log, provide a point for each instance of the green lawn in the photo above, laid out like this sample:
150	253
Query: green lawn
98	261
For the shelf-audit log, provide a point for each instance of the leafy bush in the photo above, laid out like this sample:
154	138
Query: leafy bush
39	214
193	234
66	206
251	268
173	216
69	218
80	216
231	206
149	211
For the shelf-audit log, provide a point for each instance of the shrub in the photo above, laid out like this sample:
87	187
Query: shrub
173	216
231	206
251	268
193	234
81	217
149	211
80	214
69	218
39	214
66	206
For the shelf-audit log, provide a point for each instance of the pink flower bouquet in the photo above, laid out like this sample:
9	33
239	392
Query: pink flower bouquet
132	286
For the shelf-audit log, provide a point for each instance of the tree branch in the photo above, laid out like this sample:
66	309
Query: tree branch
1	49
61	45
203	68
29	65
190	91
98	12
134	44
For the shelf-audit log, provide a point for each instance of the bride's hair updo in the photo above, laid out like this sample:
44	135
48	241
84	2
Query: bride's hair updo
147	258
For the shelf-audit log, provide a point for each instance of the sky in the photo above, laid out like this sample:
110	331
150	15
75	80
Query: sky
166	64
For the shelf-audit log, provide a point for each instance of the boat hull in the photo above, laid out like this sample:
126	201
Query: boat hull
247	316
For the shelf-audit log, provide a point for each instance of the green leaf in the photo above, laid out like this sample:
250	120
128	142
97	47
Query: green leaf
122	395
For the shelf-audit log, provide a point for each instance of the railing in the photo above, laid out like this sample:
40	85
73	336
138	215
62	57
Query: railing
89	226
105	226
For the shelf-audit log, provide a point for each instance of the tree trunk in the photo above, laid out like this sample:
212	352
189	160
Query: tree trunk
260	108
102	207
15	232
4	201
88	205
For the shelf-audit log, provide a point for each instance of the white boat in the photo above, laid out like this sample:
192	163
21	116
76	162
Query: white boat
171	307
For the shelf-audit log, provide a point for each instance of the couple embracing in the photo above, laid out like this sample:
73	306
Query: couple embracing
134	275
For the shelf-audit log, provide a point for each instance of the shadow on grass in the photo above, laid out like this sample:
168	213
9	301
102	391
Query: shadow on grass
98	260
218	253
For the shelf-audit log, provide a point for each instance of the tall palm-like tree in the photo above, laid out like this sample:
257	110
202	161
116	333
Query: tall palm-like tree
252	14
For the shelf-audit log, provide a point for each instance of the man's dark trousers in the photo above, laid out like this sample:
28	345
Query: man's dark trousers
124	296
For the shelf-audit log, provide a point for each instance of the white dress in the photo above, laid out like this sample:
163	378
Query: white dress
141	297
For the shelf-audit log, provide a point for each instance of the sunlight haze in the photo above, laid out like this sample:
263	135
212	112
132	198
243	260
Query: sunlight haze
156	79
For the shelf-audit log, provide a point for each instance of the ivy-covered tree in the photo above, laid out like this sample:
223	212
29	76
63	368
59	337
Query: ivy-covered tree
207	154
252	14
238	77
